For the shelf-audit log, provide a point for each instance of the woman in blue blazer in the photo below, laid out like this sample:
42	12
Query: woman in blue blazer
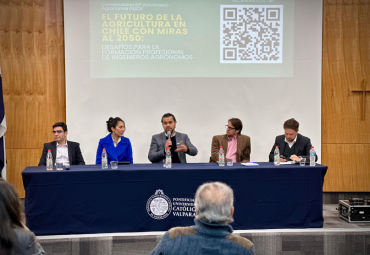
117	146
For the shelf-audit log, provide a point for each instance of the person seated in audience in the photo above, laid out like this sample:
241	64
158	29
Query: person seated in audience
15	237
63	151
179	143
211	233
236	146
117	146
292	146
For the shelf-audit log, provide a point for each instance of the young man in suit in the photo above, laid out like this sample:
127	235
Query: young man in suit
236	146
178	143
63	151
292	146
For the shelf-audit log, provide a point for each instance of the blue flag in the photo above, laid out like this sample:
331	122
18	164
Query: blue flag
2	128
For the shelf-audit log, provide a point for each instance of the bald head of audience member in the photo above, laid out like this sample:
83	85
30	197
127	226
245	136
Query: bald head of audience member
214	203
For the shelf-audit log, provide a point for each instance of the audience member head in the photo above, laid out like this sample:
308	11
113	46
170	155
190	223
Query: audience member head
214	203
10	216
116	126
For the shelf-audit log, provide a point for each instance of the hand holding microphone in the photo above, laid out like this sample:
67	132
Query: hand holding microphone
168	142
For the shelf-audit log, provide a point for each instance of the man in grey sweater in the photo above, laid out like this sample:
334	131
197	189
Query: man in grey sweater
211	233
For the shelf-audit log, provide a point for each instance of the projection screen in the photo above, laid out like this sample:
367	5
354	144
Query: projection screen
205	61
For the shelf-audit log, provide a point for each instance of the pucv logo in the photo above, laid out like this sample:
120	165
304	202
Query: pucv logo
159	206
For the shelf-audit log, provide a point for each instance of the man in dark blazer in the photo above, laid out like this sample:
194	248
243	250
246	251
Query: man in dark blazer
239	153
292	146
63	151
178	143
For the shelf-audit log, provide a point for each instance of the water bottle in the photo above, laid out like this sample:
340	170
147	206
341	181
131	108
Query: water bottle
168	158
312	156
104	159
49	161
277	156
221	157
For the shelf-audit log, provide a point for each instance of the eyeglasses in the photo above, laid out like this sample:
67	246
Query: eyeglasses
227	127
58	131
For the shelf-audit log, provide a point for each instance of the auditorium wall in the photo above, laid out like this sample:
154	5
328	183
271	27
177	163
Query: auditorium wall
346	63
32	67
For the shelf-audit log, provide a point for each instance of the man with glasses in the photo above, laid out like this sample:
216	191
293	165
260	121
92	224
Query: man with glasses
68	153
236	146
179	143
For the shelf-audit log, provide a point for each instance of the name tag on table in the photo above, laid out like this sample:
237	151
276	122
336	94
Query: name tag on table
250	164
288	163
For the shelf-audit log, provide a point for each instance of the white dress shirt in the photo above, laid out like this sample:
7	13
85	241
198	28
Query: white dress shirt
292	143
62	154
114	142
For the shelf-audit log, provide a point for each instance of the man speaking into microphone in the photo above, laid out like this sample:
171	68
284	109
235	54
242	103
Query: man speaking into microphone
178	143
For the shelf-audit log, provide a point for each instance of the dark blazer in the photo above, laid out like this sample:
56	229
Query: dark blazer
302	147
74	153
243	150
156	150
26	243
123	151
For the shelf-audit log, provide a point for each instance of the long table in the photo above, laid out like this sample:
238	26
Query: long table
149	197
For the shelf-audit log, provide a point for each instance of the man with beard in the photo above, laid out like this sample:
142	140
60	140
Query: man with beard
178	143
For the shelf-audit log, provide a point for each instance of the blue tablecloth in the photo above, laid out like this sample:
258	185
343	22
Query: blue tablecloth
87	199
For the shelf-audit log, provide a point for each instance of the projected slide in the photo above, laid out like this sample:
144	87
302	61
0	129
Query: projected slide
209	38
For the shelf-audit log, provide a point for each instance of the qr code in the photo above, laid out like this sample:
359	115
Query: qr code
251	33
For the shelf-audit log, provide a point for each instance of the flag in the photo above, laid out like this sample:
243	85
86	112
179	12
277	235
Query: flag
2	129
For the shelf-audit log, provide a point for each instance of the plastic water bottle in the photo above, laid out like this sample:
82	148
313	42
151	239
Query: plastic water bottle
104	159
277	156
312	156
49	161
221	157
168	158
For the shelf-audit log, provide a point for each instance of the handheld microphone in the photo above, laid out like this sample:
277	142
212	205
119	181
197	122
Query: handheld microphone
169	134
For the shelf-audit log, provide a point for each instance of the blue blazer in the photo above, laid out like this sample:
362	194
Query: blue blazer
123	151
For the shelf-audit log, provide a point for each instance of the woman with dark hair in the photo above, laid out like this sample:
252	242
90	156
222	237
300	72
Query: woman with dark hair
15	238
117	146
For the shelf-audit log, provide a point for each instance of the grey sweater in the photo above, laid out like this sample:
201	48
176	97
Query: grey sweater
26	243
203	238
